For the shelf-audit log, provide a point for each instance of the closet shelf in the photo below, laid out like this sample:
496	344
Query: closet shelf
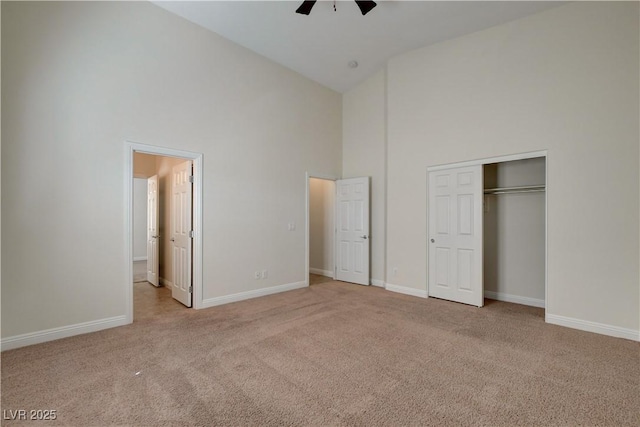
511	190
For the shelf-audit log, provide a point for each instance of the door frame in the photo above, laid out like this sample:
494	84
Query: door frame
327	177
500	159
130	148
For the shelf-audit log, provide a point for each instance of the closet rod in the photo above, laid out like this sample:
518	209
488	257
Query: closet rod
511	190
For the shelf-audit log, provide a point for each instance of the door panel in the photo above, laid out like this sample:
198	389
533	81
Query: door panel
181	226
153	262
465	270
455	235
442	215
352	230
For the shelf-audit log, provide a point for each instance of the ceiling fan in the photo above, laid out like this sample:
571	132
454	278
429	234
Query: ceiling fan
364	5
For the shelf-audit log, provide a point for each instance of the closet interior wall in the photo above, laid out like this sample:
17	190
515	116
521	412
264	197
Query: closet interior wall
514	232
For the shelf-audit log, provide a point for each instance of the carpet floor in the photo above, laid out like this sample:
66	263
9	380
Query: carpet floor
331	354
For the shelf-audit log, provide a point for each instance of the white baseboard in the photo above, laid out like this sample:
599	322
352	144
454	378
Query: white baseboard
321	272
61	332
501	296
165	283
422	293
241	296
139	258
376	282
598	328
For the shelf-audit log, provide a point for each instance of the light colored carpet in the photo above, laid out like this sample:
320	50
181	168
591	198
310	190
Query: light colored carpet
331	354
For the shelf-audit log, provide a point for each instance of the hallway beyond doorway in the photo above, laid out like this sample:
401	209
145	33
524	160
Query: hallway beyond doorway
315	279
149	301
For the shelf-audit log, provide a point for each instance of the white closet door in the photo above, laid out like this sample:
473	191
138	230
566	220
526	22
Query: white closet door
455	235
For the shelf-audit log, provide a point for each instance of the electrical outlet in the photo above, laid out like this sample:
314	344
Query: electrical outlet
394	271
264	274
291	226
257	275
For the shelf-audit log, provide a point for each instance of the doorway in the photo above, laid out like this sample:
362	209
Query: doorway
321	230
162	249
338	244
178	237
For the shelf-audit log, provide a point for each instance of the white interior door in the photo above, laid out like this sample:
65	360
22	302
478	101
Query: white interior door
455	235
153	262
352	230
181	230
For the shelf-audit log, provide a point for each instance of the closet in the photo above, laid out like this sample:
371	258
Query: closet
514	231
487	230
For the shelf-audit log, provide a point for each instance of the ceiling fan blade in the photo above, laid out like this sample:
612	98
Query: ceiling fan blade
306	6
365	5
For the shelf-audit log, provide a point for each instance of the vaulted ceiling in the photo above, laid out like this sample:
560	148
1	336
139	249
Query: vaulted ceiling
321	45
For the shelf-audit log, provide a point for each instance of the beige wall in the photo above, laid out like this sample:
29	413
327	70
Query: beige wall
80	78
321	225
364	139
566	81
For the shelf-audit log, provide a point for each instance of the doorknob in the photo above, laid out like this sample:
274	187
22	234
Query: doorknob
433	240
364	237
154	237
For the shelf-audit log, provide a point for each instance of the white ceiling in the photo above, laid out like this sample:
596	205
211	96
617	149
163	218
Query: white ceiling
321	44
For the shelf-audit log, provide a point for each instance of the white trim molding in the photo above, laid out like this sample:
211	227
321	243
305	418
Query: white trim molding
241	296
321	272
422	293
501	296
61	332
378	283
598	328
139	258
497	159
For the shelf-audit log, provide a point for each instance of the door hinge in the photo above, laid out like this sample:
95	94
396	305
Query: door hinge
191	179
192	234
190	289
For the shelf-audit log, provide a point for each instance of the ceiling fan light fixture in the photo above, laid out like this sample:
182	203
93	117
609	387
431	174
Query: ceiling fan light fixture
305	7
365	6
